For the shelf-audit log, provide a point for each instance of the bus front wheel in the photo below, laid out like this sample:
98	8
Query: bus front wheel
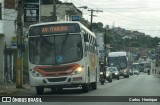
40	89
94	85
85	87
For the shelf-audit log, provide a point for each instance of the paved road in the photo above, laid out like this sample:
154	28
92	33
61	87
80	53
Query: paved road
136	85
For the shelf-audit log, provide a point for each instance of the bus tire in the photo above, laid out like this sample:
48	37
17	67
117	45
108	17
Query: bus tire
40	89
94	85
85	87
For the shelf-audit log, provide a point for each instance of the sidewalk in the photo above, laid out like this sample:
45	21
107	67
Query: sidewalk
156	75
10	89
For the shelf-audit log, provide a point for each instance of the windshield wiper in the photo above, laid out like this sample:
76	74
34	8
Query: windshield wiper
65	39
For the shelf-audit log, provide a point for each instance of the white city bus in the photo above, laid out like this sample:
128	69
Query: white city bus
62	54
120	60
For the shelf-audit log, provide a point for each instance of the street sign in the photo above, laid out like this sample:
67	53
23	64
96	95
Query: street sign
14	42
75	18
31	12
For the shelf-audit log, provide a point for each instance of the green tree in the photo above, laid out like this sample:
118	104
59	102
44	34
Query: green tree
98	27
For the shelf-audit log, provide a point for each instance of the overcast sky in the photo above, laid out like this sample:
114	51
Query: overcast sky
136	15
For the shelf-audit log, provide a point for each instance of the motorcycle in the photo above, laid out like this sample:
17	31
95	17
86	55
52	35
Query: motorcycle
102	78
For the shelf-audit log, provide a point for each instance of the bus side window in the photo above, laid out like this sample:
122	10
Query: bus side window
86	37
86	48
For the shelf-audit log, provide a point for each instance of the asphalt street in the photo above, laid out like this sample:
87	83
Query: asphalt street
136	85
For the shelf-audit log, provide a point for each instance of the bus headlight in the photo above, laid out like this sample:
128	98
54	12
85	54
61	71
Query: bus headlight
36	74
77	71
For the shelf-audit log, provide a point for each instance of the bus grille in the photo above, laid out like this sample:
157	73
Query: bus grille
57	79
55	69
56	75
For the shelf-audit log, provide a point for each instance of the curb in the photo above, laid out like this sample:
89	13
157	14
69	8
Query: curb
5	93
10	89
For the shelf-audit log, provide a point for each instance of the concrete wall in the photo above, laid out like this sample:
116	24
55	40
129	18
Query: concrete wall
9	25
1	21
1	46
1	59
7	31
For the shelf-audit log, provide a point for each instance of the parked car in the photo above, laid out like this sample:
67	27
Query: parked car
108	74
114	71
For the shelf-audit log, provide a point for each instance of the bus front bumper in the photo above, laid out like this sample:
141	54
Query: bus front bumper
55	81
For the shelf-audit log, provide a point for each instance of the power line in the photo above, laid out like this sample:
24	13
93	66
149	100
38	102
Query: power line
92	10
137	20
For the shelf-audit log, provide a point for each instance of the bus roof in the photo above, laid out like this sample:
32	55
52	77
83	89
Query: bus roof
65	22
116	54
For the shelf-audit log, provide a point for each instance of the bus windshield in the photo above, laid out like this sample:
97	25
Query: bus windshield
119	62
55	49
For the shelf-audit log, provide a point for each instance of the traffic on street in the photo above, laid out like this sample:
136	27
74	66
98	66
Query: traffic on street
134	88
136	85
65	51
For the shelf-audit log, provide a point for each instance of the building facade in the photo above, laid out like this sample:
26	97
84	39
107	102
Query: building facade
64	12
7	34
1	42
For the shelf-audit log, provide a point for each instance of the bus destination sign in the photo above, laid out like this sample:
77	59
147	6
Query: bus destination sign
54	29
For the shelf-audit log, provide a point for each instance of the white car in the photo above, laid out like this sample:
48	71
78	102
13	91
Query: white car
136	71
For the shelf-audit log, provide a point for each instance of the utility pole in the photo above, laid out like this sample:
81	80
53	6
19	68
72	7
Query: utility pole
19	64
105	43
92	10
91	19
54	11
